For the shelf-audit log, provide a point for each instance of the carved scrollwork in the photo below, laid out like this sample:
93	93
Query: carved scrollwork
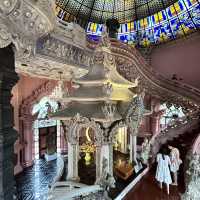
7	6
109	111
98	132
76	124
68	53
114	131
41	91
5	36
135	112
107	89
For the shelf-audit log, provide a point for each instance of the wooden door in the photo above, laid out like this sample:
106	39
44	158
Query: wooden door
47	140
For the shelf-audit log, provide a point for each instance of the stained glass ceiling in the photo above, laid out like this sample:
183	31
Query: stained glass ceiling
177	20
123	10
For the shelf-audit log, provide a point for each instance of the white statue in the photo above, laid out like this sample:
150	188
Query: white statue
193	185
145	151
175	163
106	181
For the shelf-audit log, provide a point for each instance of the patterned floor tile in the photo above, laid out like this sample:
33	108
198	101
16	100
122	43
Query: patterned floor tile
33	183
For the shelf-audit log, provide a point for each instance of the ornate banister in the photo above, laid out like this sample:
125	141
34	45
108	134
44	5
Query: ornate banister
131	64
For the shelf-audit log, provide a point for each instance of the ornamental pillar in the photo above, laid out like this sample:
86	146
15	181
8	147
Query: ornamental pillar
133	148
36	140
8	135
98	162
29	142
107	152
58	124
73	156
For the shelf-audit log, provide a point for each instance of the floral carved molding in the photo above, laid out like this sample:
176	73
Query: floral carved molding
41	42
73	126
27	104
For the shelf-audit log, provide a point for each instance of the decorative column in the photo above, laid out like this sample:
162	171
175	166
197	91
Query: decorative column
98	162
70	128
133	148
58	137
73	155
107	152
123	132
29	141
36	140
8	135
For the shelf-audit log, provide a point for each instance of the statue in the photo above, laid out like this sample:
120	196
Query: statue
193	185
145	151
194	167
175	163
106	181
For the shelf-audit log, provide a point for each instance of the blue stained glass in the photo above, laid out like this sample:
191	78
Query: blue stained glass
175	20
188	3
195	13
153	19
164	15
181	5
169	12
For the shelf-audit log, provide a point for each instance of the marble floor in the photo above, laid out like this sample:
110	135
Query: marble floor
33	183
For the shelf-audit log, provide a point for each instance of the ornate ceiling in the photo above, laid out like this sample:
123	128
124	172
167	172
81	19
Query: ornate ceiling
124	10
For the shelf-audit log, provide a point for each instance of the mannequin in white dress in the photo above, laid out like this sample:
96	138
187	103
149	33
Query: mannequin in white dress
163	171
175	163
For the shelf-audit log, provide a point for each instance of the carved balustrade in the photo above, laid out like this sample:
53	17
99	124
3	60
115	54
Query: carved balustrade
132	65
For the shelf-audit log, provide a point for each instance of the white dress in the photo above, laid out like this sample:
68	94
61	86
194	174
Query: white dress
162	171
175	160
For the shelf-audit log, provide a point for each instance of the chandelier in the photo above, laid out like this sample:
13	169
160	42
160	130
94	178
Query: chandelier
60	91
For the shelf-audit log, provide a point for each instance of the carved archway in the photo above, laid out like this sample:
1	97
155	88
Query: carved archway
74	126
43	90
27	119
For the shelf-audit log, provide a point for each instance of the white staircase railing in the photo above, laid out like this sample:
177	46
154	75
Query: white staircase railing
71	190
170	133
60	170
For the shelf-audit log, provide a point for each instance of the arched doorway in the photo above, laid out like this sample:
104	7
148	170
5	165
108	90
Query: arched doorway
47	133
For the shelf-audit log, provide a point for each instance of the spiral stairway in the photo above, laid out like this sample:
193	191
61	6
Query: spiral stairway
149	189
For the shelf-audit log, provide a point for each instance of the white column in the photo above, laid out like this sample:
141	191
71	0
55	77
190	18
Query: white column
124	132
73	155
36	140
98	162
133	148
58	137
107	152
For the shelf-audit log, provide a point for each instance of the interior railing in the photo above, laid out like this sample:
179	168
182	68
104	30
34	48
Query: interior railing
147	71
171	132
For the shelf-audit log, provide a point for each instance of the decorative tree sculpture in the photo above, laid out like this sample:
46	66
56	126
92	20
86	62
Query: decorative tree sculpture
106	181
145	151
193	189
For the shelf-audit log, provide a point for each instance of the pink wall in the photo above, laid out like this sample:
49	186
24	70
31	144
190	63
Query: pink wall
181	57
25	86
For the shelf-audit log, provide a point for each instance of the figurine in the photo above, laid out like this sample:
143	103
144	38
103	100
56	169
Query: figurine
106	181
145	151
175	163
